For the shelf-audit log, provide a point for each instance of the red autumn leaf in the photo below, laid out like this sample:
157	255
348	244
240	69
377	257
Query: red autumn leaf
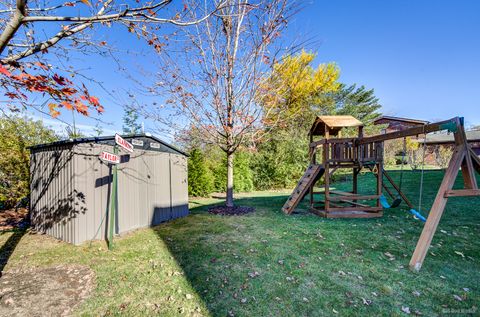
59	80
5	71
69	4
69	91
81	107
100	109
41	65
67	105
94	101
11	95
53	110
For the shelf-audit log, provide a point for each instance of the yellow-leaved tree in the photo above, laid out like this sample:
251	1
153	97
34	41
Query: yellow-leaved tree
294	86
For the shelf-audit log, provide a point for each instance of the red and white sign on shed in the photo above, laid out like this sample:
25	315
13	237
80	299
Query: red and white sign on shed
109	157
124	144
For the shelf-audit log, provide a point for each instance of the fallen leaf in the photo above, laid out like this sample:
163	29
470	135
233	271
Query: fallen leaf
460	253
406	309
253	274
457	298
416	293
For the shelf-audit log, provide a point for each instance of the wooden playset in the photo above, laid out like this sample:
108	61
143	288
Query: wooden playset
366	152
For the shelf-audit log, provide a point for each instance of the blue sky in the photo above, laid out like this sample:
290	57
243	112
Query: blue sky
421	57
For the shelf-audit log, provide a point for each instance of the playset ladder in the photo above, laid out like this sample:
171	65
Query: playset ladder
312	174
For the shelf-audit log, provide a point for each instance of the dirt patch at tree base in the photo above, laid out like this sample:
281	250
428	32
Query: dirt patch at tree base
230	211
50	291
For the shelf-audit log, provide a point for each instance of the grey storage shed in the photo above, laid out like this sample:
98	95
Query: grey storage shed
70	186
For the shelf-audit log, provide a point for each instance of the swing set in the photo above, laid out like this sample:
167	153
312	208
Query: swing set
367	152
398	199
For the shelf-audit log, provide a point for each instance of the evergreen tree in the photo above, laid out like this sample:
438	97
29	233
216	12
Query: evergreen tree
200	179
358	102
130	121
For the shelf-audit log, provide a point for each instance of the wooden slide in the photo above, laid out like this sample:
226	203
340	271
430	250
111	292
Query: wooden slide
311	175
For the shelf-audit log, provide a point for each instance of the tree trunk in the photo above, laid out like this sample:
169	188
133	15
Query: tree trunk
12	26
229	199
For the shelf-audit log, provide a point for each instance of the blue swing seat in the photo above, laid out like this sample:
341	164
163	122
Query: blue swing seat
418	215
386	205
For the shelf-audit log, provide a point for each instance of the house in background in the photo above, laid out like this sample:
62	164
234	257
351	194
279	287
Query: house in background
434	141
437	139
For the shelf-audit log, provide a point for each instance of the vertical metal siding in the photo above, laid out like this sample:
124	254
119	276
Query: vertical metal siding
179	185
52	210
160	189
93	182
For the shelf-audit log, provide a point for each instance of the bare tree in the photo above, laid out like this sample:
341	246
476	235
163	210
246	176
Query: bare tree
104	12
34	28
212	82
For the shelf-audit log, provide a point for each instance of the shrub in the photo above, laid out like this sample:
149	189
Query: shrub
200	179
16	135
242	174
279	163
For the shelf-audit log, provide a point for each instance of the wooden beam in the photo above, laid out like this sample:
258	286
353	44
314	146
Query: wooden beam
327	175
475	159
468	173
348	208
437	209
379	183
399	191
355	180
354	214
354	197
432	127
462	193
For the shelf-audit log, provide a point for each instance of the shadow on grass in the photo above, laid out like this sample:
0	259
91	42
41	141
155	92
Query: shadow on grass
6	250
199	243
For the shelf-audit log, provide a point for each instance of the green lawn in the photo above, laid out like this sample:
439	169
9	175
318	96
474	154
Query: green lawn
269	264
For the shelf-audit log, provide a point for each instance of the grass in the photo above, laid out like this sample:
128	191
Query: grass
269	264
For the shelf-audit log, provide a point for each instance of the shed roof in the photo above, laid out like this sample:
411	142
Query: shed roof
334	123
107	139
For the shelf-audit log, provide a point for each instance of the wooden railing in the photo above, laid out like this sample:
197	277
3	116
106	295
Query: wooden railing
347	150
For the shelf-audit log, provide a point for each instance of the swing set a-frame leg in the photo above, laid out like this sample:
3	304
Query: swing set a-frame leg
437	209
